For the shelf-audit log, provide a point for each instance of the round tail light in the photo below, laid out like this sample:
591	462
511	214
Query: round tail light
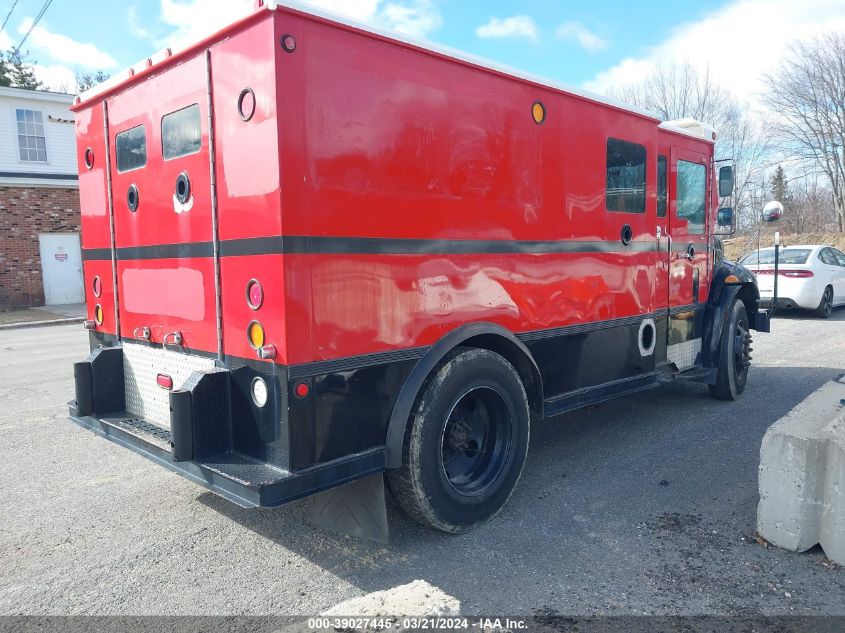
98	314
97	286
255	335
254	294
259	392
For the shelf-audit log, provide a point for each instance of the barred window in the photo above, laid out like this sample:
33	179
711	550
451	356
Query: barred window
31	141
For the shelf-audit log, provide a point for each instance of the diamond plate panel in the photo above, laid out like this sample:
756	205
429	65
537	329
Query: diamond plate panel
141	365
684	354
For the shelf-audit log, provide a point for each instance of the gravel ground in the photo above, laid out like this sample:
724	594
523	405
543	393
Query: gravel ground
642	505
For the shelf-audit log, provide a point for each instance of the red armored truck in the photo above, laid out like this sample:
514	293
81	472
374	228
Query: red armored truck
315	253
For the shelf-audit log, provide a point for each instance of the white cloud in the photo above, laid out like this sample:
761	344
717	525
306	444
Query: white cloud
513	26
134	24
5	41
64	48
195	19
739	43
55	77
577	32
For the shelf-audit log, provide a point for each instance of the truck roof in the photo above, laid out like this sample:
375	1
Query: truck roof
688	127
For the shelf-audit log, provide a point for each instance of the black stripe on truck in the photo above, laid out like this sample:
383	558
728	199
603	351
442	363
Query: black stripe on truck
298	244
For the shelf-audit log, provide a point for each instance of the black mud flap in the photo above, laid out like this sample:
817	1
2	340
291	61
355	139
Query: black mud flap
763	321
357	509
98	382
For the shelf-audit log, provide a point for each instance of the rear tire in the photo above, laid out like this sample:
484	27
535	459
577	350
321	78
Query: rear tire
466	442
826	304
734	355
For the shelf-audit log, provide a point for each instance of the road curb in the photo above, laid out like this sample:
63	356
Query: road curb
29	324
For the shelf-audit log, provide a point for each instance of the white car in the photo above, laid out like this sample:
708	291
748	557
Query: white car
809	276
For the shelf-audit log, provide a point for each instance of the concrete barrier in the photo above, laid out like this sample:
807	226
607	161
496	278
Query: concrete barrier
802	475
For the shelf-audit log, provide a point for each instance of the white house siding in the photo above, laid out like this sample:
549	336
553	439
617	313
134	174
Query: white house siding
58	134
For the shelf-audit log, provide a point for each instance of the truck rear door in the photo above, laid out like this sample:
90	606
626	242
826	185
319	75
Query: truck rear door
164	230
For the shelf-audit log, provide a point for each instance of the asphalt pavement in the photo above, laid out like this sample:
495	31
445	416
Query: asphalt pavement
646	504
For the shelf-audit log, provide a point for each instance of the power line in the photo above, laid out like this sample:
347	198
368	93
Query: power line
8	15
35	22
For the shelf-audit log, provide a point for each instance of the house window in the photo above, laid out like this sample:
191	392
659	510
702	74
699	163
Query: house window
31	142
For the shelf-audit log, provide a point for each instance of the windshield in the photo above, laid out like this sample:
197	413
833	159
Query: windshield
786	256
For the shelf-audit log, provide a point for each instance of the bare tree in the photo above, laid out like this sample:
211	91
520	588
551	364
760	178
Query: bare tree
807	95
678	91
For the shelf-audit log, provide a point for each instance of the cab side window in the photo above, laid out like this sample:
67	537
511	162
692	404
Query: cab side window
625	176
662	193
692	195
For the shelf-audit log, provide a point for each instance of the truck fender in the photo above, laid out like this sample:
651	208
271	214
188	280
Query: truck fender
484	335
723	292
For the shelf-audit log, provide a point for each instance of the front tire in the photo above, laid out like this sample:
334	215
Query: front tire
466	442
734	355
826	304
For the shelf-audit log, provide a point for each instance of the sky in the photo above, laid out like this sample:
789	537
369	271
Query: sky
593	45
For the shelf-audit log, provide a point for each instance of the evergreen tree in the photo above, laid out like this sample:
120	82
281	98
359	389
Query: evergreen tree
15	72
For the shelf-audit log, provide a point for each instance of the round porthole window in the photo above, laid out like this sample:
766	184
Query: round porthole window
132	198
183	188
246	104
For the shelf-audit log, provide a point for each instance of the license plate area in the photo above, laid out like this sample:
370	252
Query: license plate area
142	366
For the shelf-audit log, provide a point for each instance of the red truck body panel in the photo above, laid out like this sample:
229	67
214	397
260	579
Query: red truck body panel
385	196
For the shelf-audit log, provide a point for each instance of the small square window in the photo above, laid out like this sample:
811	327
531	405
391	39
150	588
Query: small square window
625	176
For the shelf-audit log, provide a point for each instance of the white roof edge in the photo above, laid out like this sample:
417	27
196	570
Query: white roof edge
420	43
38	95
690	127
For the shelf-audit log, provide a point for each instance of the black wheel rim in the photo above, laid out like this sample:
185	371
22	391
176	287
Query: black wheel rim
742	350
475	441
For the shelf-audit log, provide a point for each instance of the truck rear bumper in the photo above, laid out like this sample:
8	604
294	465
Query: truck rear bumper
242	480
197	443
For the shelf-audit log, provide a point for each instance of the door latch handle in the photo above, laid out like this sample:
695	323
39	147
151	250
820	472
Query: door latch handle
172	338
142	333
689	254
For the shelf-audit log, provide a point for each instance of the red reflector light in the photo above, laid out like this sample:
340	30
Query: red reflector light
796	273
301	390
254	294
97	286
164	381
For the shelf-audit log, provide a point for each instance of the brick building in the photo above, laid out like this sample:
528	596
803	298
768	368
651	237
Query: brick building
39	200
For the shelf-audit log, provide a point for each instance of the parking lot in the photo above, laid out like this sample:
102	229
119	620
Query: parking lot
641	505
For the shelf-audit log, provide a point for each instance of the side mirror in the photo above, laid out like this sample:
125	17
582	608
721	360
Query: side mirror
725	217
773	211
726	181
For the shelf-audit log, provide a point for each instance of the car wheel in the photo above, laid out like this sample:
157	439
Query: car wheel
466	442
826	305
734	355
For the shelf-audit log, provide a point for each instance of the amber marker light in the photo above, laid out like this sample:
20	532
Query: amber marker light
732	279
98	314
255	335
538	112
